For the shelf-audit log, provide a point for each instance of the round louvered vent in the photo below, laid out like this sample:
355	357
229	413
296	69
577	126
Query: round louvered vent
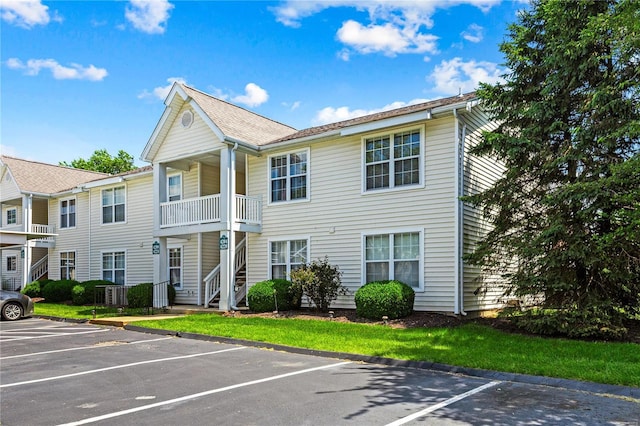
187	118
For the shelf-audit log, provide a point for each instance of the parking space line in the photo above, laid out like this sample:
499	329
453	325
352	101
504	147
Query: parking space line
201	394
116	367
79	348
442	404
13	338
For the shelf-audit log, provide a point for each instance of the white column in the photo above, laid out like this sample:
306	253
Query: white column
159	245
227	219
27	220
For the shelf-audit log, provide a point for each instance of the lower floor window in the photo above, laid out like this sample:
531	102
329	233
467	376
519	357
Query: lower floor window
12	263
68	265
175	267
113	267
395	256
287	256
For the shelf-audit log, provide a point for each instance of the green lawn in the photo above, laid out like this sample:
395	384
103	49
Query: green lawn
81	312
469	345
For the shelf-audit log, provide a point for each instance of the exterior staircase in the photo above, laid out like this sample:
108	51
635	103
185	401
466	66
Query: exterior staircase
39	269
212	280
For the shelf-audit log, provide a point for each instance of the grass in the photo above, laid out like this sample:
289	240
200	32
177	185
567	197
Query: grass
470	345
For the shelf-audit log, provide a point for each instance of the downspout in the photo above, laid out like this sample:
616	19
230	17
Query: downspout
459	215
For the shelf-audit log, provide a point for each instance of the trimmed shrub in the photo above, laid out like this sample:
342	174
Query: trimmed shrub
141	295
58	291
83	293
32	289
320	282
261	296
384	298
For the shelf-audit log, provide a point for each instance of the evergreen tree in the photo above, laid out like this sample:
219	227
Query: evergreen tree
102	161
566	211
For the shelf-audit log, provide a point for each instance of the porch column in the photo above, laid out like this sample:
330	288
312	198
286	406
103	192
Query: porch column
159	246
25	252
227	219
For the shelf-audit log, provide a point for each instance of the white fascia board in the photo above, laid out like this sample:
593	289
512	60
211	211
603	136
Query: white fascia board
154	136
214	128
313	138
387	122
104	182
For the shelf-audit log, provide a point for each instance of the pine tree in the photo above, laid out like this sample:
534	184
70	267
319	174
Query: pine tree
566	211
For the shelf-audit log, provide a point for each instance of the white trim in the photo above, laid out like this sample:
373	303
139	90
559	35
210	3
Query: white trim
307	152
390	231
6	216
385	123
203	115
5	264
113	252
75	263
288	240
60	201
114	222
181	247
169	176
392	187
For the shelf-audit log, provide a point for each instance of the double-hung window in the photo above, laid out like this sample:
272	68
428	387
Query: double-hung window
12	216
68	213
174	187
113	267
68	265
394	256
287	256
393	160
288	176
175	267
113	203
12	263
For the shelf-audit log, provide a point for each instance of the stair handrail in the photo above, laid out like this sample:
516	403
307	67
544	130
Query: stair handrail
39	269
212	280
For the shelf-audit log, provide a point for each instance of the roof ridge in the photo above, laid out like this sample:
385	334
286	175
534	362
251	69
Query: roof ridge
208	95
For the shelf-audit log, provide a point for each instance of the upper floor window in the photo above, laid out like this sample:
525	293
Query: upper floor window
12	216
68	265
394	256
113	201
288	176
174	187
393	160
287	256
113	267
68	213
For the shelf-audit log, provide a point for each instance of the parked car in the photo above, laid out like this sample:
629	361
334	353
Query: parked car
14	305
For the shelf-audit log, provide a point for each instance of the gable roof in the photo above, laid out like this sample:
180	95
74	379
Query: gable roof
42	178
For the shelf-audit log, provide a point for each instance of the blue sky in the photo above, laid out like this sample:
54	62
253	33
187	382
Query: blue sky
77	76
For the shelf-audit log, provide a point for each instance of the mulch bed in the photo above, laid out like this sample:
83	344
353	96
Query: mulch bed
417	319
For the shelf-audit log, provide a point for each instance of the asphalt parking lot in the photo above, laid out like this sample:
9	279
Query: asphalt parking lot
58	373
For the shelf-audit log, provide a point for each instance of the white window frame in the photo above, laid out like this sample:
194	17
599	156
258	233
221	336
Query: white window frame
179	196
287	263
67	275
13	263
75	213
113	205
114	269
392	185
288	176
391	233
15	215
181	248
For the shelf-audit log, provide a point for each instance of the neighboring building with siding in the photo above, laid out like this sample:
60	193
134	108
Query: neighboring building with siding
233	198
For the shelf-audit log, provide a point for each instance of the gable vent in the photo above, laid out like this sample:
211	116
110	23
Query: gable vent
186	119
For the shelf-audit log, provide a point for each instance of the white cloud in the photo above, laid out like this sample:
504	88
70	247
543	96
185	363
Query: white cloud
451	77
394	27
331	115
161	92
148	16
473	33
292	106
254	96
59	72
26	13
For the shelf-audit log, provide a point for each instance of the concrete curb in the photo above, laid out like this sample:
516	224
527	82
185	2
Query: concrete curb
591	387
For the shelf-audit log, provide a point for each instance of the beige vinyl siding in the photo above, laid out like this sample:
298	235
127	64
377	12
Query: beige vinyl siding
19	225
338	213
8	188
182	142
481	291
71	239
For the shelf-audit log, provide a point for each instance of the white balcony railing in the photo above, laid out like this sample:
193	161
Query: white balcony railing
195	211
43	229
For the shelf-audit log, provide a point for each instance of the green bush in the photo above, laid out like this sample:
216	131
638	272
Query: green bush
58	291
261	296
384	298
83	293
320	282
141	295
32	289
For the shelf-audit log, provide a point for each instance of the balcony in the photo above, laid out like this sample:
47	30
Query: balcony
206	210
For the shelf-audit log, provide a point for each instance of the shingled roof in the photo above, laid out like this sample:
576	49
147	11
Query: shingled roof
314	131
42	178
237	122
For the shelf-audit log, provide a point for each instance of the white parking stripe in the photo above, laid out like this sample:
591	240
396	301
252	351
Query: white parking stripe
80	348
200	394
442	404
12	338
116	367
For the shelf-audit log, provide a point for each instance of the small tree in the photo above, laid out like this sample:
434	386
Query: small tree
101	161
320	282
